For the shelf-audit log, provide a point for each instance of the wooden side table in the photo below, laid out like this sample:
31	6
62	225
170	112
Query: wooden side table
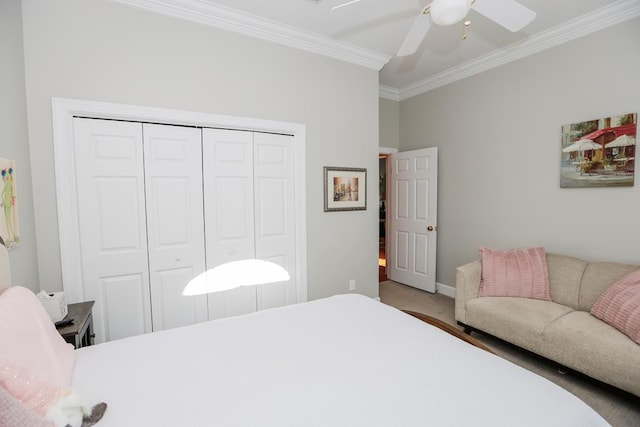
80	332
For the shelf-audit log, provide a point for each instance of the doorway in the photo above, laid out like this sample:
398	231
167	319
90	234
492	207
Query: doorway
383	156
382	205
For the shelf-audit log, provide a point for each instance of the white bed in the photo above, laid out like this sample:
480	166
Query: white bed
342	361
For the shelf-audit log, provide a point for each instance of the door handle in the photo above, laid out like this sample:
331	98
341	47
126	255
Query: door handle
431	228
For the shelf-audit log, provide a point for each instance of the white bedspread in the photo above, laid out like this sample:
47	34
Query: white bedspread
342	361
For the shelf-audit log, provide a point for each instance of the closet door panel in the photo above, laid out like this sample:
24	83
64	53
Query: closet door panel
112	224
228	186
173	177
121	297
274	174
273	295
234	302
233	230
229	207
170	308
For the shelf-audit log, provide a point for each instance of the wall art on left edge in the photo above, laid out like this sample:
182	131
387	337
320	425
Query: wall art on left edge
345	189
8	204
599	152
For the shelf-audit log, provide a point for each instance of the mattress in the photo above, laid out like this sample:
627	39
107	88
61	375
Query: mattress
346	360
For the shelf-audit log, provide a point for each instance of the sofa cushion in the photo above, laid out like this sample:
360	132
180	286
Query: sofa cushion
516	273
565	274
619	306
588	345
517	320
598	276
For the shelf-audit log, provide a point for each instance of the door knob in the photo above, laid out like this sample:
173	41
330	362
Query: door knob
431	228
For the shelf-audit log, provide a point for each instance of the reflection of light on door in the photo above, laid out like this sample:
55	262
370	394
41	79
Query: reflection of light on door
231	275
382	262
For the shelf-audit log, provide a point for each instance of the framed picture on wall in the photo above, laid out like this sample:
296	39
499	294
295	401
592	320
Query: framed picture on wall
9	230
345	189
599	152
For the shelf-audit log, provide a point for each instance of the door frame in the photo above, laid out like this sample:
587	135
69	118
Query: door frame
386	151
63	111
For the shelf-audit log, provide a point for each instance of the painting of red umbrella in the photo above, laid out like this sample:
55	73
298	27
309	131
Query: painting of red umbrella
599	152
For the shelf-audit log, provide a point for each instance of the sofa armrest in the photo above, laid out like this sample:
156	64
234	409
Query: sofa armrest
467	286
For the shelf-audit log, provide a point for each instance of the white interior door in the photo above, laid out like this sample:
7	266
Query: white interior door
229	212
112	226
175	223
412	216
274	186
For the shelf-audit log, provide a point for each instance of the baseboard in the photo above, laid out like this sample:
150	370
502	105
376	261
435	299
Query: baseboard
446	290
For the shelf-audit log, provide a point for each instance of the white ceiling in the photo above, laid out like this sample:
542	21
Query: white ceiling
369	32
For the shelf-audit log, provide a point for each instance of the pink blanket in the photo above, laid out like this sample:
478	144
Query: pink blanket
36	364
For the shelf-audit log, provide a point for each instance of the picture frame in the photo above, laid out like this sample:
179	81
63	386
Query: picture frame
345	189
599	152
9	227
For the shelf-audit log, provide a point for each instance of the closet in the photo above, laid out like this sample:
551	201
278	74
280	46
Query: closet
159	204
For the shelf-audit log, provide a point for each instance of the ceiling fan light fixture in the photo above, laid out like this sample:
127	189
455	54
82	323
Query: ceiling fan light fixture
448	12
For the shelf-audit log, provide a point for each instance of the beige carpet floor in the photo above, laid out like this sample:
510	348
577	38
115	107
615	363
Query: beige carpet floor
618	408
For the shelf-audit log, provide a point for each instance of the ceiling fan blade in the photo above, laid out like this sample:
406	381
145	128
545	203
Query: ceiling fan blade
508	13
416	34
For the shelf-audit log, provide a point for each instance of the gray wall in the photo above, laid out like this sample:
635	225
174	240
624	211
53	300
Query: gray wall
498	135
106	51
389	123
14	143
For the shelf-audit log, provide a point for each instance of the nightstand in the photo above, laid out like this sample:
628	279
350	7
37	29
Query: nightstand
80	332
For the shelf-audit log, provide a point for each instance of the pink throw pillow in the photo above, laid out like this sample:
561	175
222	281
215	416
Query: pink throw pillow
516	273
619	306
36	364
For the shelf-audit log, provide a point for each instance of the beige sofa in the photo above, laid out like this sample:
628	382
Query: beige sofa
562	330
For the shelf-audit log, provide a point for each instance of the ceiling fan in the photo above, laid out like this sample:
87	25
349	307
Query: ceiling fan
507	13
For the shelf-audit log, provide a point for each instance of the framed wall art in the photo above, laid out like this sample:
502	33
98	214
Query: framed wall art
9	230
345	189
599	152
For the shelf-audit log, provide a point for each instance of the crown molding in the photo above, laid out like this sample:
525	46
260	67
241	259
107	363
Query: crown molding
599	19
389	92
232	20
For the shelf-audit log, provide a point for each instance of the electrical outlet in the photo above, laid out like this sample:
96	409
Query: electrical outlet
352	285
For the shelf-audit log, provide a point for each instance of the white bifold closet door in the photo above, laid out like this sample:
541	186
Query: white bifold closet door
175	225
249	212
140	209
112	223
160	204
